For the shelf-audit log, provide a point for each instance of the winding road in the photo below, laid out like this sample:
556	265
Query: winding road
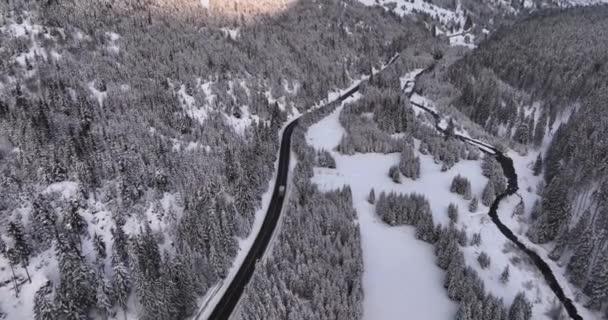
509	171
230	299
228	302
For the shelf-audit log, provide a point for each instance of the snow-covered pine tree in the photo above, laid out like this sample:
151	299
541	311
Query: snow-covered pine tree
504	276
484	260
538	165
43	308
103	296
461	186
43	223
453	213
521	308
22	247
488	194
409	164
473	205
371	198
393	173
74	295
120	282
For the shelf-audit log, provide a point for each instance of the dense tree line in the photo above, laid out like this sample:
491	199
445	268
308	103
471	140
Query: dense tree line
461	281
556	57
114	99
315	266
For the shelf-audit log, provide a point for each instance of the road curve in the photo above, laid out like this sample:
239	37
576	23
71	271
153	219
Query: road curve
230	299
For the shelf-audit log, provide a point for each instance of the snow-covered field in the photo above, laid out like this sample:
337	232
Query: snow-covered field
405	7
400	276
528	193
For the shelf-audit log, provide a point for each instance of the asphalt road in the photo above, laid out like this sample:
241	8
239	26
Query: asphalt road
230	299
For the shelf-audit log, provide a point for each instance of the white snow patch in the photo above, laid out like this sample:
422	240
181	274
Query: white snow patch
233	33
406	7
465	40
400	276
113	46
67	189
240	124
99	95
407	81
199	113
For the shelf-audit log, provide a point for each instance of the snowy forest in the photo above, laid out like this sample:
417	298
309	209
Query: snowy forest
572	211
139	142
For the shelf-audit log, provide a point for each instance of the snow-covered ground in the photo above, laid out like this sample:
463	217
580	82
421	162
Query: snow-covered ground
573	3
406	7
400	276
98	217
465	40
407	81
528	193
519	225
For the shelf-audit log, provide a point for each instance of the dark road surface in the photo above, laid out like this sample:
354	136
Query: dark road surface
230	299
509	172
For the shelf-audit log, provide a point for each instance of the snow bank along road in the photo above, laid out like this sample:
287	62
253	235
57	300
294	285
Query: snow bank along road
232	295
230	299
509	170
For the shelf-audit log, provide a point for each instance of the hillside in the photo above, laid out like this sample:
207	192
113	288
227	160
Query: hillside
466	178
541	84
138	142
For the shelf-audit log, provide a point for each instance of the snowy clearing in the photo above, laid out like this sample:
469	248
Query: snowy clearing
393	285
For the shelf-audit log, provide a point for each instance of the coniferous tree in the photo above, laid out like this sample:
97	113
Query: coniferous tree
120	283
43	308
484	260
103	297
539	130
453	213
74	297
488	194
521	309
371	198
504	276
409	164
10	255
74	223
597	287
579	264
461	186
393	173
43	223
476	239
538	165
22	247
473	205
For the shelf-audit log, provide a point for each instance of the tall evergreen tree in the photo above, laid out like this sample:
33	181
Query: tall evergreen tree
538	165
521	309
488	194
43	308
22	247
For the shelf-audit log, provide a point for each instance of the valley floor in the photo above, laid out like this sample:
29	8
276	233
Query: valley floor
400	275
